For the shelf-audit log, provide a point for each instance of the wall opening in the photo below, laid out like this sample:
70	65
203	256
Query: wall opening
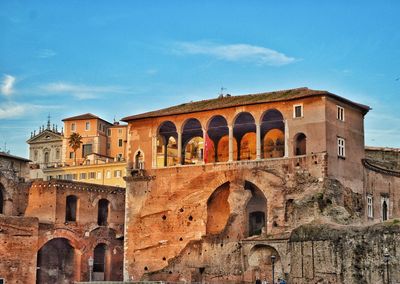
2	199
272	130
192	142
55	262
256	210
71	208
167	147
261	263
384	211
139	161
244	131
103	208
217	140
300	144
99	262
218	209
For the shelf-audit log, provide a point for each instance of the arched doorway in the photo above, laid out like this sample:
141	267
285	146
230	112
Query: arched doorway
100	262
244	131
256	210
300	144
262	259
218	209
55	262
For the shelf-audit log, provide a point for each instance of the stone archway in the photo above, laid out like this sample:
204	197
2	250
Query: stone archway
56	262
261	263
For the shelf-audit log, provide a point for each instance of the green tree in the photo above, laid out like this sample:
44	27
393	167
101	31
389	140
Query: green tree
75	142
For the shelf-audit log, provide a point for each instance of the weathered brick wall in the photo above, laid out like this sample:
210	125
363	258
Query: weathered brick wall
322	253
18	241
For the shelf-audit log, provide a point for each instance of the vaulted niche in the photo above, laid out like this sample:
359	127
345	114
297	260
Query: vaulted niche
244	131
218	209
55	262
167	146
192	142
256	210
272	130
217	140
300	144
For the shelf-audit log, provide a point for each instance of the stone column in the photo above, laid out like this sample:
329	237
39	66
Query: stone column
204	145
77	265
286	139
258	142
230	143
179	148
154	156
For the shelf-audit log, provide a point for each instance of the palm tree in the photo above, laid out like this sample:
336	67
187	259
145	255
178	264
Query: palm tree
75	141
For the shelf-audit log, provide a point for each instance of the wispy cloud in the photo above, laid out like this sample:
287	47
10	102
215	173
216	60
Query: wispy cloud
18	110
234	52
81	92
7	85
46	53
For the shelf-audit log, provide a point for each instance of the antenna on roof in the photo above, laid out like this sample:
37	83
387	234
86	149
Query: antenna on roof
221	94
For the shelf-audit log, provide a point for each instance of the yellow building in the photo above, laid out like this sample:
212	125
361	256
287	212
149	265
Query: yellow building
105	173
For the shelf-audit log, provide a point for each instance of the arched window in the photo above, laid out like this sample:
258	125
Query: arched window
71	208
167	147
46	157
256	210
244	131
99	262
102	216
385	209
58	154
35	155
217	140
300	145
272	130
192	142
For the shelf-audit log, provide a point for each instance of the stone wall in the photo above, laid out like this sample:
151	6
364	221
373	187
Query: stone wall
18	241
323	253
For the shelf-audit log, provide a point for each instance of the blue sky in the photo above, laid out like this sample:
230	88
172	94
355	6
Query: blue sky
119	58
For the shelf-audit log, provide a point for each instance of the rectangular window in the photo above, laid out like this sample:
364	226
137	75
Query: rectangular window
119	131
99	126
370	210
71	155
68	177
73	126
87	126
119	157
92	175
82	176
98	175
109	132
341	147
119	142
117	173
340	113
108	174
298	111
74	176
87	149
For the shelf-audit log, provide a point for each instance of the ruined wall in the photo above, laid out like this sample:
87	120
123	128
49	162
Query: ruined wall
168	212
390	157
322	253
18	241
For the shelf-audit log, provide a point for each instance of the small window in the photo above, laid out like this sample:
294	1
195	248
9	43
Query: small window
119	131
98	175
117	173
82	176
340	113
74	176
385	208
57	154
298	111
92	175
108	174
119	142
370	209
71	155
109	132
119	157
35	155
341	147
102	215
87	126
71	208
73	127
100	126
108	145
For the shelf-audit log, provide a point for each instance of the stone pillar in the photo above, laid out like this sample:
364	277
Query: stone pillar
204	145
77	265
179	148
258	142
154	154
286	139
230	143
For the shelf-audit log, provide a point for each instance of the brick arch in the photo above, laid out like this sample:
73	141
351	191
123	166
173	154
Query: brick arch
111	200
75	241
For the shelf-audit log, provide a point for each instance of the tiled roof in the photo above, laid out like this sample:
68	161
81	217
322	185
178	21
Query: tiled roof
233	101
84	116
3	154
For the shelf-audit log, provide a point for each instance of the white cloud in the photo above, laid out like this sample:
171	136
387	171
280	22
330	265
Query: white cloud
81	92
7	85
235	52
46	53
17	110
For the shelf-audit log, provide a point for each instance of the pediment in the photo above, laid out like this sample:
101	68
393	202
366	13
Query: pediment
45	136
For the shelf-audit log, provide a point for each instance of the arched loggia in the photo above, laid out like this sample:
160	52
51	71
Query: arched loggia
217	140
272	130
192	142
244	131
167	146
